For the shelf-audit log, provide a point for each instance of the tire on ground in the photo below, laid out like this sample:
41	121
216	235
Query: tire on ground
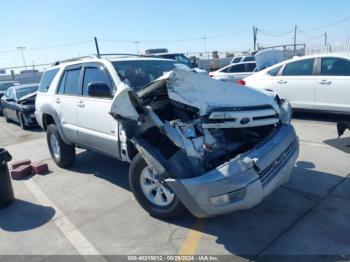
67	152
6	117
174	209
21	121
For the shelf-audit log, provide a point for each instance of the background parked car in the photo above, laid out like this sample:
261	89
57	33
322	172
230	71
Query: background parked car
181	59
18	104
239	59
234	72
4	85
319	82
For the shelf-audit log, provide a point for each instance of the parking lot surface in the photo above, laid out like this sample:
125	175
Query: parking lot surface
88	209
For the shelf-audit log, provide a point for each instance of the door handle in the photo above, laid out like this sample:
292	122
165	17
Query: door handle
58	100
282	82
81	104
325	82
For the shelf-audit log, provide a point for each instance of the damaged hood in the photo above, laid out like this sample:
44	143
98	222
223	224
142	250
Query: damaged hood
206	93
30	97
195	90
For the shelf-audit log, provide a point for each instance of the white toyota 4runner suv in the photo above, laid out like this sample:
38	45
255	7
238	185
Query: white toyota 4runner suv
194	143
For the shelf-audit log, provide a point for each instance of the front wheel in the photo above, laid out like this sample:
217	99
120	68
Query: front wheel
6	117
21	121
62	154
151	193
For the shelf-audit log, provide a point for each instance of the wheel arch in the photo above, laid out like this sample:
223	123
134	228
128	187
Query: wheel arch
48	119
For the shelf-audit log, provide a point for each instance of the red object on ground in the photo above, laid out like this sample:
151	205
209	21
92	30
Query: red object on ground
21	172
16	164
40	168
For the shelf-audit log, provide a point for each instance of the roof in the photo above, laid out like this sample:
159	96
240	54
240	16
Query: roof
322	55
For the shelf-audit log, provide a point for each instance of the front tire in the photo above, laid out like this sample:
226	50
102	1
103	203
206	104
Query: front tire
21	121
154	196
62	154
6	117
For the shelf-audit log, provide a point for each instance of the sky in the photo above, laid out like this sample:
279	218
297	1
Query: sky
51	30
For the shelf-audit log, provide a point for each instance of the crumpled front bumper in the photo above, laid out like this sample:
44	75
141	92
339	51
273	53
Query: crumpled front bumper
29	118
244	181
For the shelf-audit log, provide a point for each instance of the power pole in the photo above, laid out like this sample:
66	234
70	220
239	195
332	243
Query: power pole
97	48
205	45
21	49
255	33
325	39
137	46
295	39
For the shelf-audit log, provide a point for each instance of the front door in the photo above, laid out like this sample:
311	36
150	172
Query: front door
97	129
297	83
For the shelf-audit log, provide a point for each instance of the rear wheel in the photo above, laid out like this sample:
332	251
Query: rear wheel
151	193
62	153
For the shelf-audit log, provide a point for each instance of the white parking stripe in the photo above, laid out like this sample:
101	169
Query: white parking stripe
75	237
308	143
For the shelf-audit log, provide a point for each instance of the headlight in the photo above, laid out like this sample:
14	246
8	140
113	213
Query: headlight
286	112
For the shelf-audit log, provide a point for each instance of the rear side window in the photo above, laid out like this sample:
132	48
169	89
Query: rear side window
299	68
47	79
95	74
250	67
274	72
69	84
237	68
335	67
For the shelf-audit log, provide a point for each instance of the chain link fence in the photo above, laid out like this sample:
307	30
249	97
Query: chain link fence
342	48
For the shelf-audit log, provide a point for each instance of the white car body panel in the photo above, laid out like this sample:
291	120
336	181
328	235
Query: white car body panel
267	58
333	93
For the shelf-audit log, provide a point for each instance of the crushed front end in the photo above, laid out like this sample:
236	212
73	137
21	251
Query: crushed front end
217	146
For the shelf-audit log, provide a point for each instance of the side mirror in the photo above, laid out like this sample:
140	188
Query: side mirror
99	89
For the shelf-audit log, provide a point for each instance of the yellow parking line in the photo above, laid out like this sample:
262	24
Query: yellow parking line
190	245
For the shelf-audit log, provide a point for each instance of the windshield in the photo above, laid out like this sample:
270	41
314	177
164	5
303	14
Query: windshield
5	86
180	58
23	91
141	73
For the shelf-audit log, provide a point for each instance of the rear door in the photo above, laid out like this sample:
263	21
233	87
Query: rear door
65	101
240	71
297	83
97	129
333	84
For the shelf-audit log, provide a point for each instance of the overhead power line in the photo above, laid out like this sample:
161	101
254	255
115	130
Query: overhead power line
48	47
328	25
176	40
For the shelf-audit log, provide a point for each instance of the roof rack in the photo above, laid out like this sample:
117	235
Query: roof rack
74	59
120	54
96	56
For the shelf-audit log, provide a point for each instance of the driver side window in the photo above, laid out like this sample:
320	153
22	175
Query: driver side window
93	75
